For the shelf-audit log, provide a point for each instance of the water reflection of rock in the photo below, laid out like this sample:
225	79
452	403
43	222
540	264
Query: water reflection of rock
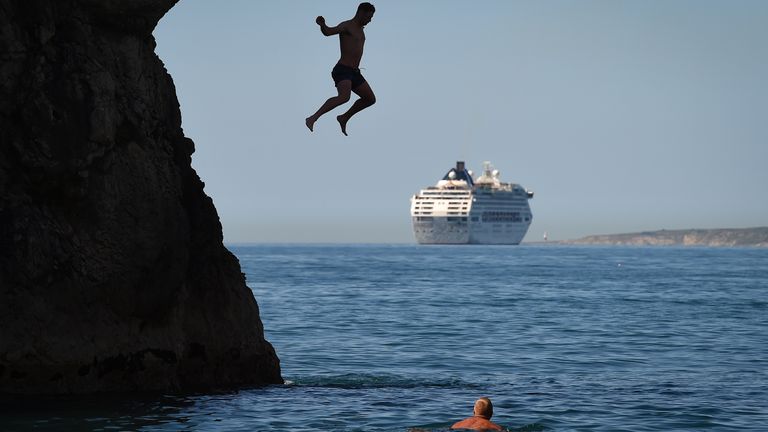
113	275
98	412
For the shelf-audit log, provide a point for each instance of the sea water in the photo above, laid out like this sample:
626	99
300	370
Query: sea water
406	337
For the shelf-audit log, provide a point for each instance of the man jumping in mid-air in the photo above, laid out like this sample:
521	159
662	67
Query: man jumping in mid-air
346	73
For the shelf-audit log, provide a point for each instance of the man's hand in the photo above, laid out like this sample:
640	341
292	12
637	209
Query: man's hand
328	31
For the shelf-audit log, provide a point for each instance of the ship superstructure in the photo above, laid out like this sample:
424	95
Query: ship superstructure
460	209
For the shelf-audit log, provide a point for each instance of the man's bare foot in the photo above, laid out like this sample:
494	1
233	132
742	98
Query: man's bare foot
310	123
343	122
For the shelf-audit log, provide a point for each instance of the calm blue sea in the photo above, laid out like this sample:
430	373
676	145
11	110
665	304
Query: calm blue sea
394	338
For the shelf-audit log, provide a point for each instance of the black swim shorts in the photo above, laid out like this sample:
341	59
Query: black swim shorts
343	72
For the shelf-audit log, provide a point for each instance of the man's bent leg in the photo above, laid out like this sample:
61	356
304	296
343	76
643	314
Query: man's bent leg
344	89
367	98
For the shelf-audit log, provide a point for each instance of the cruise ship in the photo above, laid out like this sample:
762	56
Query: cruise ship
460	209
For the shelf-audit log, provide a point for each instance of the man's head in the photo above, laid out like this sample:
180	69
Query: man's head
484	408
365	12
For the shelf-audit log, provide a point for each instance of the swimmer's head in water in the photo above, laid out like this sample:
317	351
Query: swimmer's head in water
484	408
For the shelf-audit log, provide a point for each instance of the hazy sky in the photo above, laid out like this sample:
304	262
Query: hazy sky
621	116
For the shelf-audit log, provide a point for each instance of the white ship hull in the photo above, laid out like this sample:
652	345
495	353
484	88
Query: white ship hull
440	231
458	211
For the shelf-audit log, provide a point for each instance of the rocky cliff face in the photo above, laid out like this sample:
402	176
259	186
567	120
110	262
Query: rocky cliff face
113	275
754	237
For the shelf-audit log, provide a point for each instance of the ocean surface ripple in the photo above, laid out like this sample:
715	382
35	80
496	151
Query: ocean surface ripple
406	337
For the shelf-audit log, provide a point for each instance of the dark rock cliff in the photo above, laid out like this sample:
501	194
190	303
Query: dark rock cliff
113	275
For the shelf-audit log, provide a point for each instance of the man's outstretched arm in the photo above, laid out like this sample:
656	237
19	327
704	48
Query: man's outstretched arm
328	31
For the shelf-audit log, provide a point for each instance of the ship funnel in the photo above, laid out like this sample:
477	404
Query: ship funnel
460	166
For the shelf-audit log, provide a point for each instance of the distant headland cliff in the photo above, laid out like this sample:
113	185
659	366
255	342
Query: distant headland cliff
113	275
756	237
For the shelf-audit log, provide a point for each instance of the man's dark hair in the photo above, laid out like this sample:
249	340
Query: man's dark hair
366	7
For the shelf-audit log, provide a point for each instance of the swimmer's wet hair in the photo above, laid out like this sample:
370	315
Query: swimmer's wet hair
485	407
366	7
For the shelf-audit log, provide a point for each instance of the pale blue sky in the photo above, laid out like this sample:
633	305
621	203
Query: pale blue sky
621	116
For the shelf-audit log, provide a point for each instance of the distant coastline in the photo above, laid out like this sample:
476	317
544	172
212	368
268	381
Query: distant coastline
722	237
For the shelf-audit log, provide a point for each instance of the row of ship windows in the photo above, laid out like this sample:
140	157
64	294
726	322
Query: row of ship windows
506	204
459	227
494	201
515	217
430	205
449	219
502	217
487	195
463	229
463	197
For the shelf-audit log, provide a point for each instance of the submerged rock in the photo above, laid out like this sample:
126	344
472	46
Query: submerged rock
113	274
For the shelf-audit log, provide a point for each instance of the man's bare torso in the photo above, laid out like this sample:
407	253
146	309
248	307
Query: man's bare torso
351	41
